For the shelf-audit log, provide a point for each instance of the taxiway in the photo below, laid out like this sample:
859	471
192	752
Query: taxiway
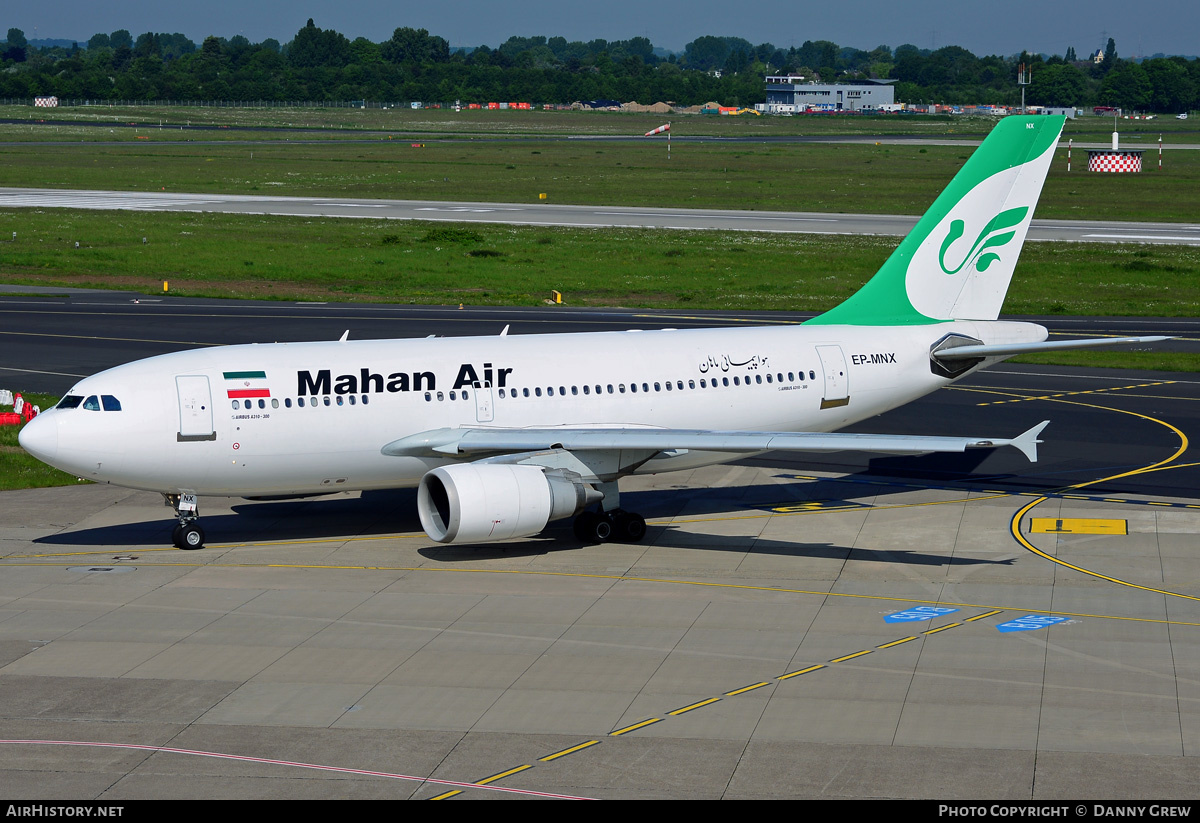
754	646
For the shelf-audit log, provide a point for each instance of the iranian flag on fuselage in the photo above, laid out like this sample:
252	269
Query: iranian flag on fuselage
242	384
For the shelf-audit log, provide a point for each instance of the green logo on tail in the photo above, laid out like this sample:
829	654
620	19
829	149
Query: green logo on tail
995	233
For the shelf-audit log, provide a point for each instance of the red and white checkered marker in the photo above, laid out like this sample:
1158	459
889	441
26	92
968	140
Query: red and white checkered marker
1120	161
659	130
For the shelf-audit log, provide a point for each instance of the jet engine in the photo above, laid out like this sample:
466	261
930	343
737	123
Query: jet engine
483	502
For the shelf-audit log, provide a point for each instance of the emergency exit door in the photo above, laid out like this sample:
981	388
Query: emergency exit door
483	402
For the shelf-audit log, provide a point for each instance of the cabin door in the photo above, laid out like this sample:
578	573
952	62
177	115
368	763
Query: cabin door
195	408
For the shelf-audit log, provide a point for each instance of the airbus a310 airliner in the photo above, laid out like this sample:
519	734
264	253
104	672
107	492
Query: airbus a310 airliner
502	435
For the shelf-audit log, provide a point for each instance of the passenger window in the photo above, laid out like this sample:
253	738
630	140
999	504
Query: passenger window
691	384
736	381
621	388
428	397
725	381
353	399
645	387
465	395
236	405
633	387
758	378
502	393
287	402
327	403
812	375
340	400
92	404
574	390
549	391
587	389
262	404
610	388
658	387
562	391
366	399
668	385
274	402
525	392
791	377
538	391
440	396
453	396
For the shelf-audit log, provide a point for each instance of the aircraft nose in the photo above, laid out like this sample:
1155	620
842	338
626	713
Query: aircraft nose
39	437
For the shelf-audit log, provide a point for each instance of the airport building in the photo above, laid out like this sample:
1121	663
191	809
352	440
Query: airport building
790	93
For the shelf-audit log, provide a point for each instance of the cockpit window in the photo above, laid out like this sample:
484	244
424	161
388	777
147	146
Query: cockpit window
71	401
92	404
110	403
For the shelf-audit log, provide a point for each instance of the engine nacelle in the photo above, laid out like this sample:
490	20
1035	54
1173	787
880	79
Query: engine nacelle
484	502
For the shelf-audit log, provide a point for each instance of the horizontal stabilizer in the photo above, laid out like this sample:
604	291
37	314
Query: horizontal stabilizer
1011	349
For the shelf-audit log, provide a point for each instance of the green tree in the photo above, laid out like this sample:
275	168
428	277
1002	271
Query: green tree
409	45
16	39
1126	86
147	45
1171	89
1060	84
313	47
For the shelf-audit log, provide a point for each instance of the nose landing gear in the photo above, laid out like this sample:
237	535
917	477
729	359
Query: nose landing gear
187	534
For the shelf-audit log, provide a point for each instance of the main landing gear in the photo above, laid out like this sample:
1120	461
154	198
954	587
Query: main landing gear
604	527
187	534
611	522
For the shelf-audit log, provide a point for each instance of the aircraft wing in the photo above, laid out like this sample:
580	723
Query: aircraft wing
467	442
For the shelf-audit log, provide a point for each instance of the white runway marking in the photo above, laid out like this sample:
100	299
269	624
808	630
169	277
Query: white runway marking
1182	238
140	203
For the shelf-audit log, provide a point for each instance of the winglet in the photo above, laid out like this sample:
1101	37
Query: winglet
1028	441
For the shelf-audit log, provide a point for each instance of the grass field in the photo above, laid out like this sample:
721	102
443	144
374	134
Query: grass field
407	262
295	258
18	470
866	178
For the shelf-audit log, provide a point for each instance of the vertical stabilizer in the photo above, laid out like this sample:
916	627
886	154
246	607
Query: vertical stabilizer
957	261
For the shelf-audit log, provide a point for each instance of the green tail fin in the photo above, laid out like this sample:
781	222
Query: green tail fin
957	261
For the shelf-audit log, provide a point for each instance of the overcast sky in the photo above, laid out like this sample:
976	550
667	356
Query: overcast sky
1007	27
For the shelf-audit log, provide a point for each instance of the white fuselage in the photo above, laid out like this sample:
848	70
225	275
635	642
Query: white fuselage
304	418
